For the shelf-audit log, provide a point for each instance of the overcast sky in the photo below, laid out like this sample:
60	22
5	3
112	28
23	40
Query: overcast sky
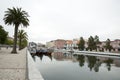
67	19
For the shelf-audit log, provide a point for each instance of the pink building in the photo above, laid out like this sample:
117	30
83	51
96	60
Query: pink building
59	43
115	44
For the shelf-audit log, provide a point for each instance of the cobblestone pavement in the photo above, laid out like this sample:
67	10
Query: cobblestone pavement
12	66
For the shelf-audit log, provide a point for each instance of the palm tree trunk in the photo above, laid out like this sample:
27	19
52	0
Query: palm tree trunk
15	39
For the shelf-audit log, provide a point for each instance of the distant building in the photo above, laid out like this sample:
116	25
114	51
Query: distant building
63	44
115	44
56	44
68	44
101	46
39	46
50	44
75	43
59	43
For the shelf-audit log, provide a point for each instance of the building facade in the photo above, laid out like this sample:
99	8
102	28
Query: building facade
115	45
56	44
68	44
50	44
73	44
59	43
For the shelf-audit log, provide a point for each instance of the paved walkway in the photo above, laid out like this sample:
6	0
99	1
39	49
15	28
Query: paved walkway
12	66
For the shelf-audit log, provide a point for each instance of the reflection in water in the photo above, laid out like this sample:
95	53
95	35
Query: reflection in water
41	56
81	60
108	63
50	56
33	56
68	66
59	56
97	65
93	62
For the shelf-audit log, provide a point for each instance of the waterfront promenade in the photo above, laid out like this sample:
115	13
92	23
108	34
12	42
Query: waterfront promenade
12	66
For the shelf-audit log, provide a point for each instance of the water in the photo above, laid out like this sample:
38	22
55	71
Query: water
66	66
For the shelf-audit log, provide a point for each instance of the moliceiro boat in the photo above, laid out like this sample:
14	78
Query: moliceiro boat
44	51
38	48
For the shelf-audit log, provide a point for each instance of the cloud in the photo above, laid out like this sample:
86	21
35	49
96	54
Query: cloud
68	19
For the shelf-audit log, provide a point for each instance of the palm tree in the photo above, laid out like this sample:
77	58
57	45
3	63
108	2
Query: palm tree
16	17
22	35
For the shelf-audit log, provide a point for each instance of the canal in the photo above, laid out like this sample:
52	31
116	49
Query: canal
66	66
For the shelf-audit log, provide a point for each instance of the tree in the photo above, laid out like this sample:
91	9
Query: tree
22	36
9	42
91	43
96	40
3	35
108	46
16	17
81	44
24	43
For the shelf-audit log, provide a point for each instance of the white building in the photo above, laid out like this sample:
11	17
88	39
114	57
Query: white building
68	44
75	43
50	44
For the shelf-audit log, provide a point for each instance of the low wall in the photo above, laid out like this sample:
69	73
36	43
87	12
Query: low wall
33	73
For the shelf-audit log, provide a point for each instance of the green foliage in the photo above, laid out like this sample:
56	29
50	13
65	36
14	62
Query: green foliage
9	42
108	46
24	43
3	35
91	43
16	17
96	39
22	36
81	44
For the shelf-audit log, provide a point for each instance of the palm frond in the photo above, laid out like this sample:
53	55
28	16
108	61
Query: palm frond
16	16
